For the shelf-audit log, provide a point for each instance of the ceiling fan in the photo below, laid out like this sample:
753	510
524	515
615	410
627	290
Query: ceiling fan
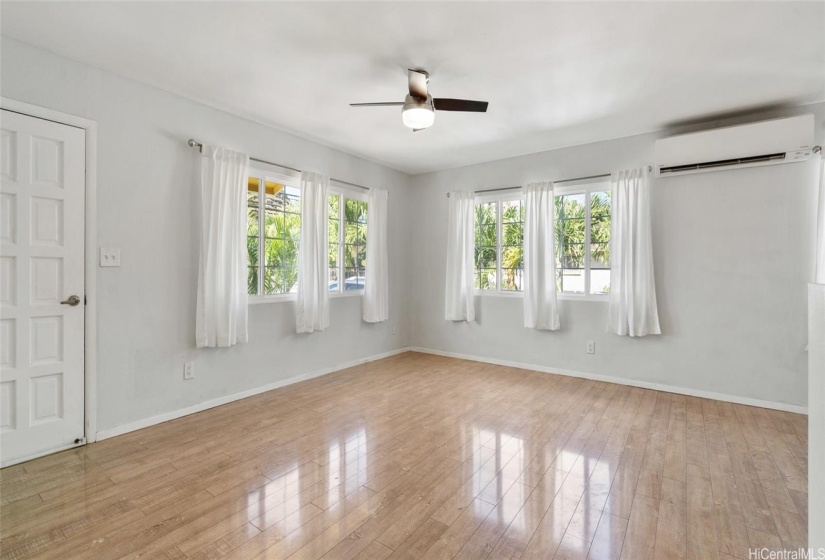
419	106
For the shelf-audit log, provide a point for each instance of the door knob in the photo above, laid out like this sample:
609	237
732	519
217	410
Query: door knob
73	300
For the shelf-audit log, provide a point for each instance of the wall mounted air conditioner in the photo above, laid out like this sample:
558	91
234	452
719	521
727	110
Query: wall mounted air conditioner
761	143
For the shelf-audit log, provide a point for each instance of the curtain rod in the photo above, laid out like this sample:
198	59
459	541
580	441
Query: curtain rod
195	144
649	168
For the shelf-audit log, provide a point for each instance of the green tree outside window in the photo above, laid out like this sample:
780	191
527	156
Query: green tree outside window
570	240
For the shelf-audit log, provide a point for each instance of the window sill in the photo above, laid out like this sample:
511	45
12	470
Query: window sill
564	296
279	298
582	297
352	293
493	293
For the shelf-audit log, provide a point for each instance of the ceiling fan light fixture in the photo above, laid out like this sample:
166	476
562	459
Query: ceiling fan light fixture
418	108
418	114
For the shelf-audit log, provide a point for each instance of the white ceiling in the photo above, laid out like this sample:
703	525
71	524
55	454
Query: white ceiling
555	74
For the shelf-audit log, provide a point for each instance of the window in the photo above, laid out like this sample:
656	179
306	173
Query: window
582	215
347	242
583	239
499	240
273	233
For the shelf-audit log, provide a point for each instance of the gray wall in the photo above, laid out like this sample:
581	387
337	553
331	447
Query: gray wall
733	255
147	194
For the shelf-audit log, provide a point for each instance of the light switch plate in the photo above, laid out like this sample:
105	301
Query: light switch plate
109	257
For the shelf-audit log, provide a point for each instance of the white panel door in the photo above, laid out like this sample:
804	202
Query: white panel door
42	204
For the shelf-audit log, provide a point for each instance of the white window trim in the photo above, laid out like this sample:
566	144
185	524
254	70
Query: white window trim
271	298
266	172
352	195
577	188
498	198
604	298
585	189
560	295
363	196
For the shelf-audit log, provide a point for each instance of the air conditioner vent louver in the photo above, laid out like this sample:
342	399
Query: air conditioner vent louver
721	163
776	141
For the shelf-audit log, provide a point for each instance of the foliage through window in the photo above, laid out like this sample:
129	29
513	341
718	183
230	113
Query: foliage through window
499	245
273	234
347	242
583	217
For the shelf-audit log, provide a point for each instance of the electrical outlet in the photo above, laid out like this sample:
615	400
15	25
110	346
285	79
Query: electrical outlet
109	257
189	370
591	347
395	329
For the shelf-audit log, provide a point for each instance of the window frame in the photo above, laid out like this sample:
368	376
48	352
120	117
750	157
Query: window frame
264	173
344	193
499	198
585	188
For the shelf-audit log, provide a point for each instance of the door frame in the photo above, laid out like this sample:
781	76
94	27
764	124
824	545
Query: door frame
90	261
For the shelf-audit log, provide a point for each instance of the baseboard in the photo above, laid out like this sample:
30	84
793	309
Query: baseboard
622	381
166	416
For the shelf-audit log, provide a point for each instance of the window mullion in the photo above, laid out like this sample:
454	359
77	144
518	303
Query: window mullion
587	195
261	235
282	241
341	242
498	246
561	244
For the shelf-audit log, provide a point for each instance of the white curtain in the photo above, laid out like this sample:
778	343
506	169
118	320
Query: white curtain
221	316
376	290
820	228
459	304
540	306
312	300
632	309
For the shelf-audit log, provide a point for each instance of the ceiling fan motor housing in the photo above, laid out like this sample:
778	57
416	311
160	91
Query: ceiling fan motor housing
418	107
418	113
411	102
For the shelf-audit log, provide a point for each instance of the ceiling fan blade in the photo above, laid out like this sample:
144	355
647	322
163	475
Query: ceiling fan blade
418	83
444	104
381	104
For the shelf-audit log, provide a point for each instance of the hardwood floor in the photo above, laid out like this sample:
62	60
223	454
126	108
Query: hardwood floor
418	456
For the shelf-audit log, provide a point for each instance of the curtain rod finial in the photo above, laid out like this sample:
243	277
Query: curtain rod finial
193	144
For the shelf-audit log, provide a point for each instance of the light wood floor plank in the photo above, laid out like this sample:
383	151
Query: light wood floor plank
701	524
640	540
671	528
420	456
609	538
